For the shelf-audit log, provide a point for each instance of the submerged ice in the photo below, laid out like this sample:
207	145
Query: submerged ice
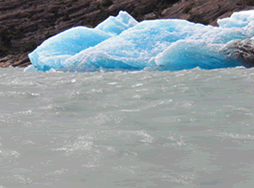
122	43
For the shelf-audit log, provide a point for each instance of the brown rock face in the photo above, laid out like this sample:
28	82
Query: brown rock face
20	60
24	24
203	11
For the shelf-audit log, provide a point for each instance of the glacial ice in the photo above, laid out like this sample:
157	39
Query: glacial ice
237	19
122	43
55	50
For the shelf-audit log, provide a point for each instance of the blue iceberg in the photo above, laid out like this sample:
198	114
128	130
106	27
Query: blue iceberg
122	43
53	52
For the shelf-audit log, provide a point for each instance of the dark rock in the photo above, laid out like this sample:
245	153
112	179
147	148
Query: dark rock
241	50
203	11
20	60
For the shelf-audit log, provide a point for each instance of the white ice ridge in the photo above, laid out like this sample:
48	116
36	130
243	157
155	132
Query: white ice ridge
122	43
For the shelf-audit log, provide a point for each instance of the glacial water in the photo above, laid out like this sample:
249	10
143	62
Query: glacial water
190	128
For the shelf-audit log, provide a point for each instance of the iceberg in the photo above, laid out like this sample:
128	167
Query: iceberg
55	50
122	43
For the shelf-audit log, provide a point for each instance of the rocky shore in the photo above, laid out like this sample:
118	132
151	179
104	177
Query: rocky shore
25	24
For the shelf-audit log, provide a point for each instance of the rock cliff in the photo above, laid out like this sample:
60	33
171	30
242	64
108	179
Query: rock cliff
27	23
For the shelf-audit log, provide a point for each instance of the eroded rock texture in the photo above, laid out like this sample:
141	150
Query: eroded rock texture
241	50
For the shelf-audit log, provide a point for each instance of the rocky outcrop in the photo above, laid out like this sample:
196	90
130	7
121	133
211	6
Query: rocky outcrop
20	60
203	11
26	23
241	50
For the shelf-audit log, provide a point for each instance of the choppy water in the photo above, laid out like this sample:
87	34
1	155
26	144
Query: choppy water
139	129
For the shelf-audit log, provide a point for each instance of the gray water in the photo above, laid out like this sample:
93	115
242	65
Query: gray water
186	129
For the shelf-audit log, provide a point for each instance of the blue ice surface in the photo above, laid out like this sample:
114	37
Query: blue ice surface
122	43
54	51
